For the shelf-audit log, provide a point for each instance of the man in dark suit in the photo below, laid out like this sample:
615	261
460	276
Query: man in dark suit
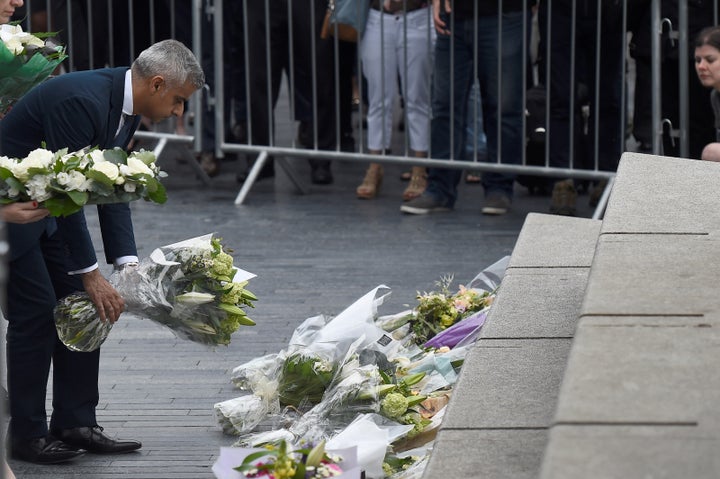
54	257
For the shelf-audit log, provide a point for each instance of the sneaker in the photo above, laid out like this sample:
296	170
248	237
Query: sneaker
564	198
423	205
496	204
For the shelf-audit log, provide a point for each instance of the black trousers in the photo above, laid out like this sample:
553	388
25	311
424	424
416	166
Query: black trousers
36	279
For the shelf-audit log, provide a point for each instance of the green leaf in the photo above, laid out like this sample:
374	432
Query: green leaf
99	177
116	155
157	193
80	198
5	173
61	206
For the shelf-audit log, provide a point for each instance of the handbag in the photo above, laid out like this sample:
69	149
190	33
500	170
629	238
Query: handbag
349	16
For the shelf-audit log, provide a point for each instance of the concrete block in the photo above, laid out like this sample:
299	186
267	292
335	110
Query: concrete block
621	452
555	242
656	194
511	453
642	370
537	303
505	384
653	275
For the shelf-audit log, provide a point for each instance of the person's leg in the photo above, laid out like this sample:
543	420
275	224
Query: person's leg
75	375
380	63
507	108
30	344
452	79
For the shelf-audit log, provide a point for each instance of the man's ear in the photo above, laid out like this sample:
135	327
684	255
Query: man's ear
156	83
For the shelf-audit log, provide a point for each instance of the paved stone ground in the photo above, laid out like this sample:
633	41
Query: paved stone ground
313	253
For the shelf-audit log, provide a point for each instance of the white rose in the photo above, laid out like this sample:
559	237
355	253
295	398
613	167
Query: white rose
135	167
129	187
120	180
97	156
14	45
6	162
77	181
62	178
8	31
32	40
107	168
39	158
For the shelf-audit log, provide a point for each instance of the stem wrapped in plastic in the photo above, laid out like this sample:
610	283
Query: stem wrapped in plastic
190	287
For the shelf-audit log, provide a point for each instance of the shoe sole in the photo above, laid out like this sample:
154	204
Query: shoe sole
412	210
48	462
492	210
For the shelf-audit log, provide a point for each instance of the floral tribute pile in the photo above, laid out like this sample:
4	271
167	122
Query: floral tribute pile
377	383
191	287
25	60
64	182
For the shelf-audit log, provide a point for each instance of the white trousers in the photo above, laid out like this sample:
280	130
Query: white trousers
384	55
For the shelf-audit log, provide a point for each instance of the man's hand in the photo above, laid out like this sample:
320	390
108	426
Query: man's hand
440	25
23	212
108	302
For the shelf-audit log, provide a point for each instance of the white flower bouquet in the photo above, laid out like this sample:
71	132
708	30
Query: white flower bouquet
25	60
65	182
190	287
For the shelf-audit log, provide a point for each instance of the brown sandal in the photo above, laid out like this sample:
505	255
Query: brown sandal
371	183
418	183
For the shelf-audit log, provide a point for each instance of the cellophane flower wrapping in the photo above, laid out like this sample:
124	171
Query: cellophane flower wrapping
64	182
191	287
26	60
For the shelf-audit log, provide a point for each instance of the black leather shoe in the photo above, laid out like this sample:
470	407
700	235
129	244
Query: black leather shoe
321	175
44	450
94	440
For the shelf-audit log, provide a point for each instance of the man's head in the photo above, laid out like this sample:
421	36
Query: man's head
7	9
164	76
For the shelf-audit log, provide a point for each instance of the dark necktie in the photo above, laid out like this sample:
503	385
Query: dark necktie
127	124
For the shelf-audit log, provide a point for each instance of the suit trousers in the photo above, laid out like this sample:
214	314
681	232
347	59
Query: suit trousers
37	277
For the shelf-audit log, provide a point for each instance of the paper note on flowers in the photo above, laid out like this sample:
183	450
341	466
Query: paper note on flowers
64	182
191	287
25	60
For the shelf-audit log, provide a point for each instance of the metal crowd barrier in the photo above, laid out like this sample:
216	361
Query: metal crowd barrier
219	32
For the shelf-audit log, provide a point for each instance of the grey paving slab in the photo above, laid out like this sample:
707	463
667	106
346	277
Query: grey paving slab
653	275
508	384
470	454
537	303
642	370
555	242
655	194
621	452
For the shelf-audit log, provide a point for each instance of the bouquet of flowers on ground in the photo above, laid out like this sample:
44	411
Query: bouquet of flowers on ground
65	181
438	310
191	287
25	61
281	460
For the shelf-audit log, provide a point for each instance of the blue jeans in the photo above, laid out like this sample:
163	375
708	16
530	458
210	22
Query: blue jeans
452	86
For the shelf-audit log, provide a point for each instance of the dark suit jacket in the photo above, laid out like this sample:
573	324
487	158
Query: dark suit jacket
72	111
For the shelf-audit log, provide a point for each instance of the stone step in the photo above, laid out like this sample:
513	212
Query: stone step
497	421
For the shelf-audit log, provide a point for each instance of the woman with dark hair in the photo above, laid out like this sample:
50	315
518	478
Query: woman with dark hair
707	66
